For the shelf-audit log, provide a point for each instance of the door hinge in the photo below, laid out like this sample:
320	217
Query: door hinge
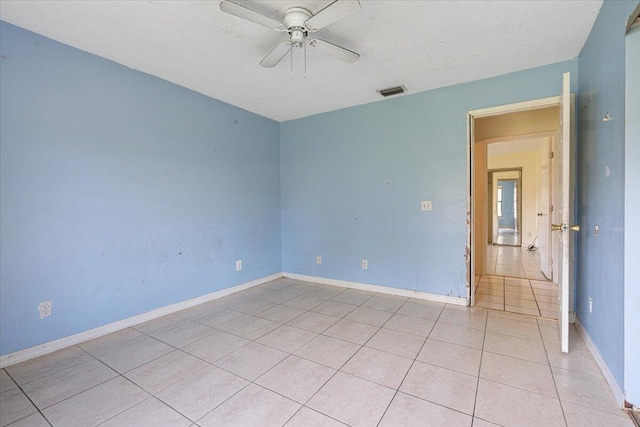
551	154
551	208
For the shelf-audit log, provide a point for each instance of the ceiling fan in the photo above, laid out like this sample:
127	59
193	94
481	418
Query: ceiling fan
299	23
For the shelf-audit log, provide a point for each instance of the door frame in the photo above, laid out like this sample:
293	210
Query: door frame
518	201
471	250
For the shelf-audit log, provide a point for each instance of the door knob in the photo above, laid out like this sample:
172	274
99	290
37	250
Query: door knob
564	227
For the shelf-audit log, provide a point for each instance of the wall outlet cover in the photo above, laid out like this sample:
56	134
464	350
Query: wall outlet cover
239	265
44	309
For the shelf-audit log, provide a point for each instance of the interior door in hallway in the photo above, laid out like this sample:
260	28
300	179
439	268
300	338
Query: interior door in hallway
544	212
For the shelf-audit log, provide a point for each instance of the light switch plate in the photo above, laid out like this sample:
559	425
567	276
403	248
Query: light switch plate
426	205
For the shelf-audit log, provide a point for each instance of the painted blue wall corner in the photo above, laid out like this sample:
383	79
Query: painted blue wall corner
121	193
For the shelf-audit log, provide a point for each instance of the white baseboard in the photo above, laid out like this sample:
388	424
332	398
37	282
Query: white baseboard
618	394
381	289
51	346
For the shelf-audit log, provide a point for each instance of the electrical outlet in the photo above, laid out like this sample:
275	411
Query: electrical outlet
426	205
239	265
590	305
44	308
365	264
319	259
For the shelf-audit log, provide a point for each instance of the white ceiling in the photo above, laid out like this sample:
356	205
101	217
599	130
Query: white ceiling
421	44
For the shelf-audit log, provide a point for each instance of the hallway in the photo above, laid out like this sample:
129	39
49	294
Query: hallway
516	284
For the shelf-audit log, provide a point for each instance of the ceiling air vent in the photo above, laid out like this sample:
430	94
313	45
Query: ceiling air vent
392	91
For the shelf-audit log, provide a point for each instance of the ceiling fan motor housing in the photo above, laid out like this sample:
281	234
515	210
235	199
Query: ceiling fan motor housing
294	20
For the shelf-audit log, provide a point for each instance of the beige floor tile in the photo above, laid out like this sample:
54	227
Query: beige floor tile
547	299
421	311
495	292
512	316
581	416
287	338
304	302
54	388
296	378
252	360
281	313
355	332
6	383
328	351
448	388
277	296
384	303
165	371
149	413
464	316
42	366
306	417
519	295
353	296
548	307
521	348
492	279
224	318
395	342
127	358
215	346
495	299
113	341
33	420
520	302
15	405
369	316
202	391
518	373
409	411
325	292
478	422
522	310
451	356
352	400
253	307
576	360
410	325
514	328
314	322
161	324
185	334
334	308
549	314
199	311
96	405
490	305
251	328
378	366
584	389
513	407
253	406
458	335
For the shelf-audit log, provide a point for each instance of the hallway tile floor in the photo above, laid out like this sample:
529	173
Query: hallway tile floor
513	261
301	354
523	296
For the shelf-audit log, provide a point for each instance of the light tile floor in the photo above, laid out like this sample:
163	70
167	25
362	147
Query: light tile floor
300	354
513	261
523	296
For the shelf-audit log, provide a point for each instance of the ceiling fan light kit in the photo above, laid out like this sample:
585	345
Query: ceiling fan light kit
298	23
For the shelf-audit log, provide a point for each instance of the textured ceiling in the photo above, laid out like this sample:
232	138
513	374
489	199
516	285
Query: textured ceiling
421	44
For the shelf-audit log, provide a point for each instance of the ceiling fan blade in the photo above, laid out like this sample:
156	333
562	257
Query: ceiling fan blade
335	50
250	15
276	55
332	13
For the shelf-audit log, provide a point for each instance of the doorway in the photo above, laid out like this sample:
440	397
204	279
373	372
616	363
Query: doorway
510	165
505	201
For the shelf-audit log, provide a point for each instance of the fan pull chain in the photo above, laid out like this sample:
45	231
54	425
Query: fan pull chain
291	50
305	58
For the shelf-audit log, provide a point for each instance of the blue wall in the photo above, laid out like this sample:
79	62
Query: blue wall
352	182
121	193
601	197
508	218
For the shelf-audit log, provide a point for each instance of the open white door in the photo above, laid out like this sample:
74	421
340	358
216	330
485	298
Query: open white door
544	213
565	276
